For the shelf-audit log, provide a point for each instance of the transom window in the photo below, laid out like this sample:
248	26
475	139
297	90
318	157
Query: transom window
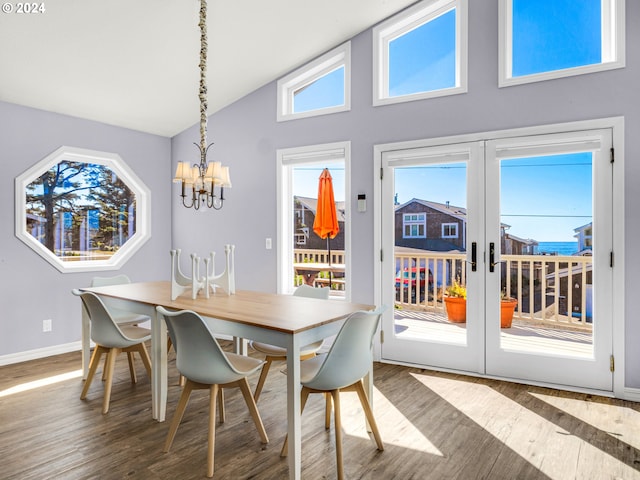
421	53
549	39
414	225
82	210
318	88
449	230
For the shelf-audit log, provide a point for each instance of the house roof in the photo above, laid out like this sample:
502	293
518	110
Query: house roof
134	64
458	212
312	204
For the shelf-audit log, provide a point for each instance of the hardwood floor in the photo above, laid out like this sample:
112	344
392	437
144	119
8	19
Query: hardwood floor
434	426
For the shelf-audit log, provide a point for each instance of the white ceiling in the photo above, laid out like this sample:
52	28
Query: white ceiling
134	63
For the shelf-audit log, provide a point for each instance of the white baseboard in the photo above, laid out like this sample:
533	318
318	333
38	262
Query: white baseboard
632	394
39	353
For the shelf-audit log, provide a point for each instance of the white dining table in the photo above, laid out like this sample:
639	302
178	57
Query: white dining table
283	320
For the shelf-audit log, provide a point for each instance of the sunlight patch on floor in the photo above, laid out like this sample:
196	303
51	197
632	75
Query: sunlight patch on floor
548	447
43	382
395	428
600	415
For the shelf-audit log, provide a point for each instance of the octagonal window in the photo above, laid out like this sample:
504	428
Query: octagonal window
82	210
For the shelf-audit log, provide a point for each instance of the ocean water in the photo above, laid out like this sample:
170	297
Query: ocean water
559	248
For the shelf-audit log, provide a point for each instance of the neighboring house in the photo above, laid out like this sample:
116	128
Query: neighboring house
304	215
437	227
584	234
512	245
442	227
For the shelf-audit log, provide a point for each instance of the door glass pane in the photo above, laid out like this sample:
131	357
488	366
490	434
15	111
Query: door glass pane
430	207
318	261
546	245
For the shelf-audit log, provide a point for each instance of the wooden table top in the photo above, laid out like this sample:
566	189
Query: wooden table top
284	313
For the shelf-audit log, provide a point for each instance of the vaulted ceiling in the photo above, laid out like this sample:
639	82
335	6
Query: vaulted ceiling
134	63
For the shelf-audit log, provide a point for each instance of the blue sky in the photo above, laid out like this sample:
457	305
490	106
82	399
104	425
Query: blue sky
543	198
547	35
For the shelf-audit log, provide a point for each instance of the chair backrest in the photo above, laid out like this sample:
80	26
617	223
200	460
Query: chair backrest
311	292
104	331
105	281
198	354
350	356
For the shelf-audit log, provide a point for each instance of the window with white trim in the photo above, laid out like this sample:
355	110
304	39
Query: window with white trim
421	53
320	87
414	225
449	230
82	210
549	39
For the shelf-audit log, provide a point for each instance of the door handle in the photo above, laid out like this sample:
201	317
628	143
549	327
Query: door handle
474	256
492	256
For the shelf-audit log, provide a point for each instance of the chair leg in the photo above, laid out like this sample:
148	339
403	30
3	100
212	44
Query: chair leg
366	406
253	409
177	416
111	362
144	355
221	405
93	366
132	369
213	395
263	377
338	427
304	396
327	411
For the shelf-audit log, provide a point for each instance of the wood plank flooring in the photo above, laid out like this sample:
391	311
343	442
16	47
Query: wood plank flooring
434	425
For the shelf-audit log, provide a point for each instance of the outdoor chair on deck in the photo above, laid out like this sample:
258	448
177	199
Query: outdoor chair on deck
111	338
206	366
342	369
273	353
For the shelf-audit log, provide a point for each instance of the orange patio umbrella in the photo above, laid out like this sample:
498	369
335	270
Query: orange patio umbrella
325	225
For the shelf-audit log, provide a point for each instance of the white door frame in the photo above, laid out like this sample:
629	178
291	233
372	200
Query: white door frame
618	216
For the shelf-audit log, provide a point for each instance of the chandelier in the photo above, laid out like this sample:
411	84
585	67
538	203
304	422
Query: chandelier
201	180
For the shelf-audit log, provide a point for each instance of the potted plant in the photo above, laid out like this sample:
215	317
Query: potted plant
507	307
455	302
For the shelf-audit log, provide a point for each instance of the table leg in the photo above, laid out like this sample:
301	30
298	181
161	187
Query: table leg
240	346
86	342
158	366
294	422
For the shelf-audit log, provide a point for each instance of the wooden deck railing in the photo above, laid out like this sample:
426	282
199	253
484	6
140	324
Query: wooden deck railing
308	255
550	289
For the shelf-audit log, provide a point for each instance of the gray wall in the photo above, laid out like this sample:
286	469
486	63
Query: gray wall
31	289
247	136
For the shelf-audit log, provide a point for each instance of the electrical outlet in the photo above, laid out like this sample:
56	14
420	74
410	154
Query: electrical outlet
47	325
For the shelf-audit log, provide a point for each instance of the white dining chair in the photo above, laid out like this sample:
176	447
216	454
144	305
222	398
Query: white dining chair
121	317
206	366
342	369
273	353
111	338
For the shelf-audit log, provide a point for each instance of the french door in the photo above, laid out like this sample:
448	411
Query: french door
520	221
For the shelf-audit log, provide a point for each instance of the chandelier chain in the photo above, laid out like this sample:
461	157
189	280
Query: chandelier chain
203	77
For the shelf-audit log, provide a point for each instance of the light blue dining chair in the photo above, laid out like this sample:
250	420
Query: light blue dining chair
206	366
342	369
121	317
273	353
111	338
